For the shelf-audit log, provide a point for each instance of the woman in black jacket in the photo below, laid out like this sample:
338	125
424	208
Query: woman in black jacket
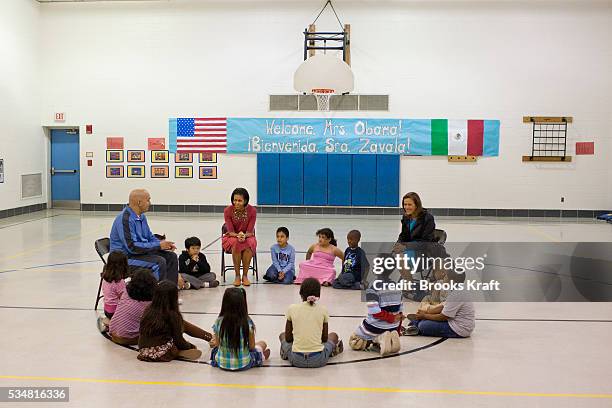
418	227
418	224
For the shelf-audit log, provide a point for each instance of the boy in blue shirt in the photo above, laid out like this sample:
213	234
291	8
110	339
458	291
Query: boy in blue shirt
355	264
282	269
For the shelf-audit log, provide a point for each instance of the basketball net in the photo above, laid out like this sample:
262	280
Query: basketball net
322	95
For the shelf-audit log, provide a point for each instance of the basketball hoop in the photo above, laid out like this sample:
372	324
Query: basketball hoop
323	75
322	95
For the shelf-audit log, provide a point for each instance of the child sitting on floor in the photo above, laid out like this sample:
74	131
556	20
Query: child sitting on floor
124	327
379	331
113	285
162	327
454	318
355	265
305	341
282	269
234	345
194	267
319	263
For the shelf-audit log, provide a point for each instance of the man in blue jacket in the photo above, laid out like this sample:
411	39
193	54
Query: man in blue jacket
131	235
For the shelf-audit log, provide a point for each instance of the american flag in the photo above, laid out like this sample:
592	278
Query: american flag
199	135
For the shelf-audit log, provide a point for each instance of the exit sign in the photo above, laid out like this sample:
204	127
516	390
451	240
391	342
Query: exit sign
59	117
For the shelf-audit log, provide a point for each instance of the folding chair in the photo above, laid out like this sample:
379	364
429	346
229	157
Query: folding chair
230	267
102	246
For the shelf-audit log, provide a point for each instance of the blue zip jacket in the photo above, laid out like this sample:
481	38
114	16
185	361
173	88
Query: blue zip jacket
131	234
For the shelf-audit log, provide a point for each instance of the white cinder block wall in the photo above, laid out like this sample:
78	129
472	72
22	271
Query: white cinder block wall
22	140
126	68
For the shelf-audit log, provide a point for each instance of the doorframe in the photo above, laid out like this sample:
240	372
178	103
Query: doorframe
47	130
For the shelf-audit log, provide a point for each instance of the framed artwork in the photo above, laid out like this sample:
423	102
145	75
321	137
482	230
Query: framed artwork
208	172
114	171
136	156
208	157
114	156
159	156
183	158
183	172
160	172
136	171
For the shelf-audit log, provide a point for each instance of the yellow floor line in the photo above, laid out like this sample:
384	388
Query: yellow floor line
310	388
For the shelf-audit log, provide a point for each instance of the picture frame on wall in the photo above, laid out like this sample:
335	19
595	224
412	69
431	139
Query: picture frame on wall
114	171
208	157
208	172
160	172
136	156
183	172
135	171
114	156
183	158
159	156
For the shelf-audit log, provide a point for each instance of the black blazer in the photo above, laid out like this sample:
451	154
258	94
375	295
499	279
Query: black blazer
423	230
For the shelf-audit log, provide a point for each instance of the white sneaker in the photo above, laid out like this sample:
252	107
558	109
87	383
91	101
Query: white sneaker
187	285
102	323
395	342
384	342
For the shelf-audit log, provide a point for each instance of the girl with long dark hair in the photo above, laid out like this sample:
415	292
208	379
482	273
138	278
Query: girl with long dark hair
234	345
162	328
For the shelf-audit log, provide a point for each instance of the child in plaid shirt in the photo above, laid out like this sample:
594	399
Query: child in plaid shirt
234	346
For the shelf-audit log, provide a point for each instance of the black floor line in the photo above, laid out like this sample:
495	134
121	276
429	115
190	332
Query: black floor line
491	319
361	360
49	265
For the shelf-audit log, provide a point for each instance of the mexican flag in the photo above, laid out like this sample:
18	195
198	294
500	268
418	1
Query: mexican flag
448	137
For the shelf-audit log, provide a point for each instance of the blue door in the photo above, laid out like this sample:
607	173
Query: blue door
65	169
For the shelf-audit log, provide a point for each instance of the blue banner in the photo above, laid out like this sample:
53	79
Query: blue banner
424	137
348	136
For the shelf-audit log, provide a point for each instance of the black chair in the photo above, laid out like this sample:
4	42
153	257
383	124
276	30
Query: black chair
440	236
102	246
230	267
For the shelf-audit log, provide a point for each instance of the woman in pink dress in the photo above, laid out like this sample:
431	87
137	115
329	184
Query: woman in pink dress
319	263
240	236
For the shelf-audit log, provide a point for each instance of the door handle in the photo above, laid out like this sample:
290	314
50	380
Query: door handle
54	171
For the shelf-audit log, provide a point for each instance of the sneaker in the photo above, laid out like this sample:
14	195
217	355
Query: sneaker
395	342
212	284
102	323
384	342
410	331
187	285
191	354
411	316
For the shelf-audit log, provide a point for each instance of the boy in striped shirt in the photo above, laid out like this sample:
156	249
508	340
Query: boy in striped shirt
379	331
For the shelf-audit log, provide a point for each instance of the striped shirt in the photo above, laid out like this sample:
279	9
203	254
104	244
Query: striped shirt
389	301
112	293
126	320
227	358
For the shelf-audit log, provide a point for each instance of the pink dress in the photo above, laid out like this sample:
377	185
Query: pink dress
320	266
239	223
